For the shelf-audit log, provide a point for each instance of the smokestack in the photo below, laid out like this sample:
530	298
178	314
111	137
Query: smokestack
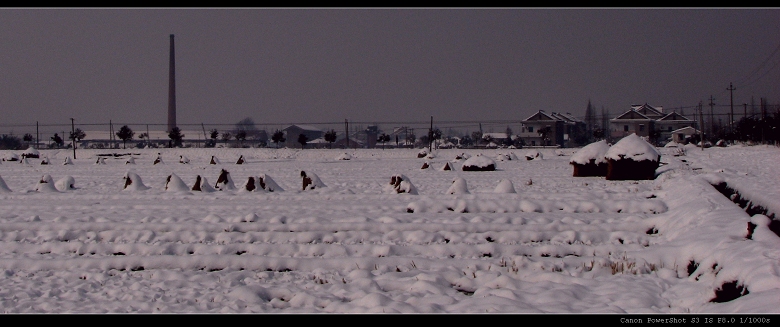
171	90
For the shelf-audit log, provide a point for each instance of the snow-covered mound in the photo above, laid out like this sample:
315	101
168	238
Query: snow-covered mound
240	160
311	181
479	163
505	186
174	184
422	153
100	161
447	167
224	182
344	156
11	157
425	165
633	147
159	159
214	161
399	183
45	184
458	186
267	183
595	151
133	182
66	183
45	161
184	160
31	153
672	144
3	186
202	185
67	161
24	161
533	155
462	156
130	161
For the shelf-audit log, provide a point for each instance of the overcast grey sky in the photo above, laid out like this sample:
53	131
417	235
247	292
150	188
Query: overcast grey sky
376	65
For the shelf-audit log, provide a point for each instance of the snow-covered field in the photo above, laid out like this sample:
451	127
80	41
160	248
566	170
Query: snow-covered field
557	244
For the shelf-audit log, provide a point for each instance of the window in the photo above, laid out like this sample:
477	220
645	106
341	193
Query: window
530	129
641	127
670	128
625	128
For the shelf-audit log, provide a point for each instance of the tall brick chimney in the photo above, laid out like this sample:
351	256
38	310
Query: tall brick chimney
171	90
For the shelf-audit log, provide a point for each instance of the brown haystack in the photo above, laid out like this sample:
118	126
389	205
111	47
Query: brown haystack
240	160
628	169
590	169
306	180
425	166
250	184
196	187
446	166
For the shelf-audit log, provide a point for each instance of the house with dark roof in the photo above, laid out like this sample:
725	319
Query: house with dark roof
643	119
561	127
292	133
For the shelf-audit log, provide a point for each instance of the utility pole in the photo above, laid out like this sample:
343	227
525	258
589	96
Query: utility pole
744	114
73	137
37	134
346	133
731	119
147	135
712	117
430	137
701	130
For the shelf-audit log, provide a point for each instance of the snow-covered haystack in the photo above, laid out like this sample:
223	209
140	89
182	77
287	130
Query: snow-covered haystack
11	157
591	160
133	182
130	161
344	156
202	185
66	183
31	153
24	161
447	166
252	185
214	161
512	156
399	183
3	186
533	155
100	161
184	160
224	181
422	153
174	184
159	159
430	156
505	186
45	161
67	161
267	183
425	165
45	184
240	160
479	163
672	144
462	156
311	181
458	186
503	157
632	158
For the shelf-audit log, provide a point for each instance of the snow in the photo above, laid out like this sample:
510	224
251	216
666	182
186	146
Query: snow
464	243
633	147
595	151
